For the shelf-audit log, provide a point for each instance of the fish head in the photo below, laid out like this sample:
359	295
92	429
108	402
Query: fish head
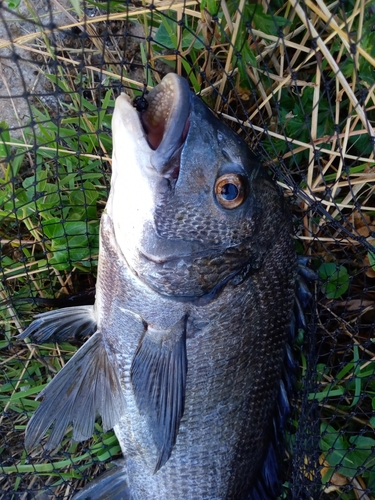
191	205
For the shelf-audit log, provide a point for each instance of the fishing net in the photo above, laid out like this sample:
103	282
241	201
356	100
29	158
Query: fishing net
296	80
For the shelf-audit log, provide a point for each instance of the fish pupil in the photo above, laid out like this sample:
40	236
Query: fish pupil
229	192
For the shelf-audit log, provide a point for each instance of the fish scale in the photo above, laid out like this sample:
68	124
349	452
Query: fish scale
194	299
233	380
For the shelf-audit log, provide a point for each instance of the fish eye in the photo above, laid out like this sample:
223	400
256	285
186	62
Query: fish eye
230	190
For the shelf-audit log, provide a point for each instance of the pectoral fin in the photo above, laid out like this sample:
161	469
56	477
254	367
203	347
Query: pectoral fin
61	325
158	374
87	386
111	485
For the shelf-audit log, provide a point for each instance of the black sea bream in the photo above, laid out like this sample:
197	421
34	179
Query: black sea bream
194	299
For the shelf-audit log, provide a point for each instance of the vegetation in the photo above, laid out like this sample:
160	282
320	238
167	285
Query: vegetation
298	85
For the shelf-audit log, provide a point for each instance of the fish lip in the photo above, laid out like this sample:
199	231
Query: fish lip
166	121
159	250
164	259
183	250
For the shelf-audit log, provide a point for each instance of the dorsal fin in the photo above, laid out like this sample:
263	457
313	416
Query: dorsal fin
268	485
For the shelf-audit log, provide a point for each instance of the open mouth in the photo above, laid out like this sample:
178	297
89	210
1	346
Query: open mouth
147	145
166	121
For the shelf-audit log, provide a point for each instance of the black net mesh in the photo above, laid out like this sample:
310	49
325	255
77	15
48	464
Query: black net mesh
296	80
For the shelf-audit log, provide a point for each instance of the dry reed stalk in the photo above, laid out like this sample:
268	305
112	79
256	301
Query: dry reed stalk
228	63
333	65
162	6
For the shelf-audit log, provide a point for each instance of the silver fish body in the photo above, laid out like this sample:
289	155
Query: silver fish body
194	299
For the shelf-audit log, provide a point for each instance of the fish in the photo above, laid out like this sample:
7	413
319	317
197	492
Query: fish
187	346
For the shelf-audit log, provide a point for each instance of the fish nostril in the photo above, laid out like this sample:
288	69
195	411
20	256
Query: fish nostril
225	154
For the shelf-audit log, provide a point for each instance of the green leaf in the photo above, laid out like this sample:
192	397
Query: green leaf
15	165
268	23
77	201
77	7
167	36
348	458
4	137
210	5
73	228
13	4
78	242
59	243
357	379
48	201
371	259
68	180
363	442
60	260
24	394
336	279
80	253
347	368
336	451
53	228
91	193
328	393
